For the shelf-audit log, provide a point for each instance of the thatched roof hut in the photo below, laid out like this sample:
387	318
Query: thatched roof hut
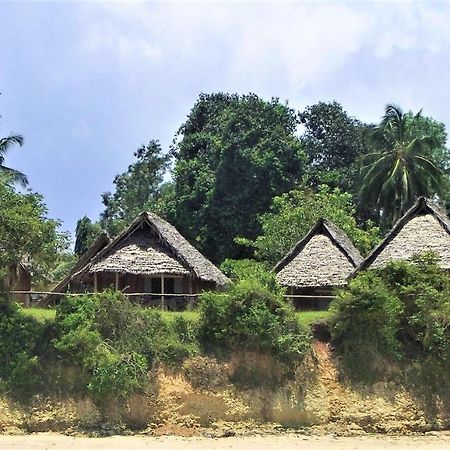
149	256
151	246
19	279
425	227
323	259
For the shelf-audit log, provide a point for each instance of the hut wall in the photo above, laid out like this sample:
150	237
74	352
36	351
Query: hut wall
19	279
315	300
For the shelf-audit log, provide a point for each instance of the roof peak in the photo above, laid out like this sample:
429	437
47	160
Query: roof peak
336	234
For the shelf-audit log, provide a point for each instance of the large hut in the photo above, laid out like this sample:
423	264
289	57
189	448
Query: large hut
317	264
424	228
149	258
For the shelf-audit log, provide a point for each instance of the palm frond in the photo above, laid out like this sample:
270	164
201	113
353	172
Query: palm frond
14	176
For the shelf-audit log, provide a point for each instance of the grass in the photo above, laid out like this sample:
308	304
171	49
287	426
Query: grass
169	316
40	314
307	318
43	314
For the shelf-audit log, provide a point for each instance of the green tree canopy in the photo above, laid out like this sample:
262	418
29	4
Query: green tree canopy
406	160
26	232
137	189
333	141
85	234
292	215
232	156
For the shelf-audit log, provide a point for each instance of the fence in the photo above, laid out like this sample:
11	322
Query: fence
164	301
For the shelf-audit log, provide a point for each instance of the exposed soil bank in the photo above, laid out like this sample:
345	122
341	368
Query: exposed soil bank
204	401
43	441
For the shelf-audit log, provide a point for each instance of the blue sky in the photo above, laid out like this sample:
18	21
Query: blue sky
87	83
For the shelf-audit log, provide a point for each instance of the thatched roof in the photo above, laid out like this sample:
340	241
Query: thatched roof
424	227
151	246
140	254
101	242
325	257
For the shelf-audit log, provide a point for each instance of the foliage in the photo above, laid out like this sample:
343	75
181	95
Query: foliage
251	316
20	336
12	175
400	312
137	189
86	232
26	232
402	163
243	269
117	343
232	156
292	215
308	318
365	320
333	141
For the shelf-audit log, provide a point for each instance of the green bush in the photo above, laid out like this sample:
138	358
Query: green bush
364	324
252	316
400	313
117	343
20	338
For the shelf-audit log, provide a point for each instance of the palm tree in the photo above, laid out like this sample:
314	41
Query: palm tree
11	174
400	167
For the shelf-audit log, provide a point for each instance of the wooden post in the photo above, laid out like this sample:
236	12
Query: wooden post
162	292
190	302
27	300
95	282
291	292
117	281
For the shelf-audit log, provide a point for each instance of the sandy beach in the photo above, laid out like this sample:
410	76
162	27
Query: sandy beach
44	441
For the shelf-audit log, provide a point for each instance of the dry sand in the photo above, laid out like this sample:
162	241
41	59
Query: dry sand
41	441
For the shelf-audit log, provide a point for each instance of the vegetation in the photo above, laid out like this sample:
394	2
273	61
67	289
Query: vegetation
333	142
401	165
86	232
252	315
21	337
399	313
291	215
118	343
11	175
233	154
26	233
137	189
245	184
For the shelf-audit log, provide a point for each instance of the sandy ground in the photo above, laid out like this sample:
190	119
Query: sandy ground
41	441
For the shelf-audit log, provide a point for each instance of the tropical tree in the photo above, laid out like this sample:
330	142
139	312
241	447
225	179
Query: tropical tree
401	164
12	174
232	156
333	140
137	189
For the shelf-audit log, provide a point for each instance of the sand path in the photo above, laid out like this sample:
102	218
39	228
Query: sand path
47	441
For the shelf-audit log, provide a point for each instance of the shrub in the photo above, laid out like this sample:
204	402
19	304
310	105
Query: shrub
117	342
253	316
20	338
400	312
364	324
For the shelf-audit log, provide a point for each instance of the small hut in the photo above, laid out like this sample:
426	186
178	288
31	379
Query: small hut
19	279
317	264
424	228
152	259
